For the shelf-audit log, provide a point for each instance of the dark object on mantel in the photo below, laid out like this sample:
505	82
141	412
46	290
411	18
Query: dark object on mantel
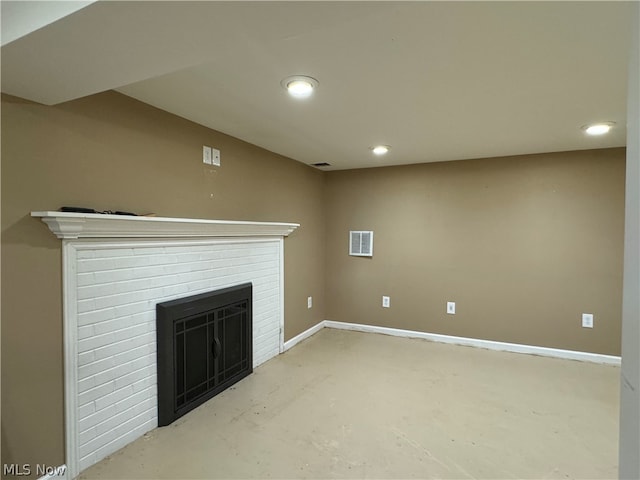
91	210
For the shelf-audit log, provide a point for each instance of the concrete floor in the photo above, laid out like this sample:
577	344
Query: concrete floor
355	405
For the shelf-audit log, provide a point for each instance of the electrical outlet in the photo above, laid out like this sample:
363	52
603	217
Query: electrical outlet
451	308
309	302
587	320
386	301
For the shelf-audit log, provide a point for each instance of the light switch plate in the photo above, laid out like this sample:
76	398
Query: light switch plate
206	155
386	301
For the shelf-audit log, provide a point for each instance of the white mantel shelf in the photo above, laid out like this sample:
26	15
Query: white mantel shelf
68	225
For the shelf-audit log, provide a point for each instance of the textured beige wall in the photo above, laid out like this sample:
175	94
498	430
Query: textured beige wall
111	152
523	245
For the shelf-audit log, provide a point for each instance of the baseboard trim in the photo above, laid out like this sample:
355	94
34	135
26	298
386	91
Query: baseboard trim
473	342
55	473
304	335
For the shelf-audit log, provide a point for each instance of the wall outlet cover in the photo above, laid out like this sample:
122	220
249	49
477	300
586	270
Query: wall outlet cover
309	302
451	308
386	301
587	320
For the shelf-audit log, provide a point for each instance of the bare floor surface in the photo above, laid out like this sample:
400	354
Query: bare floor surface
355	405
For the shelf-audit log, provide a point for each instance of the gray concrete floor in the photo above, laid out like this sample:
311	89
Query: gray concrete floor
355	405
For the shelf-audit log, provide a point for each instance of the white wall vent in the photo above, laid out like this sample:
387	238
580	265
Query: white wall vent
361	243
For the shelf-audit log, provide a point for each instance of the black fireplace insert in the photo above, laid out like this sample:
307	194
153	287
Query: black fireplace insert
204	346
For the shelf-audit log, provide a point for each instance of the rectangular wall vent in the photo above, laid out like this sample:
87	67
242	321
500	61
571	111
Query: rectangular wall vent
361	243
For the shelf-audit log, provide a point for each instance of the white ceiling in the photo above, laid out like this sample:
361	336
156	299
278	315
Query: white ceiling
435	80
21	18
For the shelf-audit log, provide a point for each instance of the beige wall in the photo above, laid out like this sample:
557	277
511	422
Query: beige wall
111	152
523	245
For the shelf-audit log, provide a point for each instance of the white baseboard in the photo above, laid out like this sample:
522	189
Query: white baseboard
55	473
306	334
473	342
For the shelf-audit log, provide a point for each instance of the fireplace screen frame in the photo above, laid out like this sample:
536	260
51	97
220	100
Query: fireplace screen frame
212	314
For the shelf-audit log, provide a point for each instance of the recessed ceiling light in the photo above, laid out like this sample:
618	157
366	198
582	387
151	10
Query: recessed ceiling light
598	128
380	149
299	86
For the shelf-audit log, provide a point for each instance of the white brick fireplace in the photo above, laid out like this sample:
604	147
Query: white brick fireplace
115	270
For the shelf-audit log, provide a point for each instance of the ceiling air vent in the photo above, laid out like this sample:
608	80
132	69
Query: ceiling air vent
361	243
321	164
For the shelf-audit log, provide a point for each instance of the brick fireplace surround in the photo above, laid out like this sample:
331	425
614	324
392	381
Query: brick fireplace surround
115	270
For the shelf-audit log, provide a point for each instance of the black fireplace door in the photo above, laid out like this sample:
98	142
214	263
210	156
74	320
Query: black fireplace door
204	346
